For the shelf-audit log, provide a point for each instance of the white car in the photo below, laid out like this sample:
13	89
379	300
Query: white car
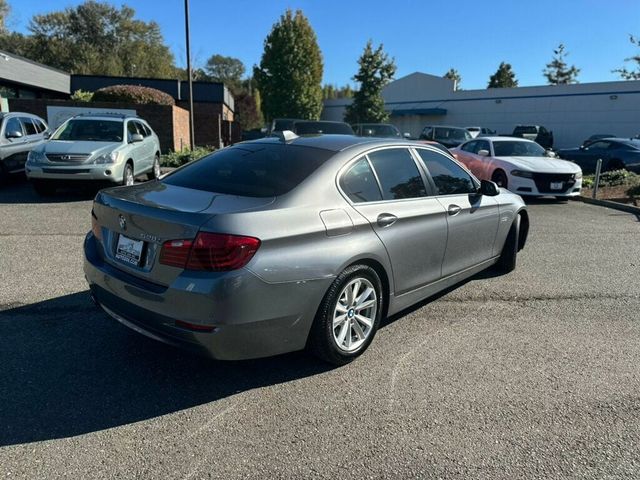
521	166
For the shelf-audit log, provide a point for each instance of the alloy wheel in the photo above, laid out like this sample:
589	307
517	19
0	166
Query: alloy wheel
354	314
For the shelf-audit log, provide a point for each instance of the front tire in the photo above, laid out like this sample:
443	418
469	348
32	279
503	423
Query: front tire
348	317
508	257
500	178
154	174
127	175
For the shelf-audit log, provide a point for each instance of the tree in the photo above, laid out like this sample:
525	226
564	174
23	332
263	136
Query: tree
4	14
290	72
228	70
376	70
247	112
503	78
630	74
95	38
558	72
453	74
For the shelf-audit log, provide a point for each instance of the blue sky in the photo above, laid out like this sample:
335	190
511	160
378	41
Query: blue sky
428	36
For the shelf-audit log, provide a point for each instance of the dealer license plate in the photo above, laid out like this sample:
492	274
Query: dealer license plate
129	250
556	186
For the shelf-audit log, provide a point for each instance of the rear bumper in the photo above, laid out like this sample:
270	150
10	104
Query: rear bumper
248	317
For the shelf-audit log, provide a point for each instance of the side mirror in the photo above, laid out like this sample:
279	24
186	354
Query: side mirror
406	135
488	188
584	147
550	153
136	137
46	135
14	134
483	153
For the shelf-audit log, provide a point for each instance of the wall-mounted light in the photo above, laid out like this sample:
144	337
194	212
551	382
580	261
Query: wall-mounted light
498	100
613	97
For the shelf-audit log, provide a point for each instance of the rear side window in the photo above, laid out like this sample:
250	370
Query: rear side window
470	147
360	184
144	128
449	177
12	125
398	174
29	127
258	170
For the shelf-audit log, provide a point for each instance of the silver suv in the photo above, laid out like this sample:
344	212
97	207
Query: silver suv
111	148
19	134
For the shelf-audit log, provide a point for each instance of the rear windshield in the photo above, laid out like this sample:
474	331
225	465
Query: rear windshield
310	128
90	130
247	170
382	131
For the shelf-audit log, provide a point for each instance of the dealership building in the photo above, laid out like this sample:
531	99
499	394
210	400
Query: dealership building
572	112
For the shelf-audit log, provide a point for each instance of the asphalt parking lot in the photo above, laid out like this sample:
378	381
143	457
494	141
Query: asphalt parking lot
535	374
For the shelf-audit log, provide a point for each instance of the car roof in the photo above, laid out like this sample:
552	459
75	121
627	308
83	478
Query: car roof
445	126
335	143
498	138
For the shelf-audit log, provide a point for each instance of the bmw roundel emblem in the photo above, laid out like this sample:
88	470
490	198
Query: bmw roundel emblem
123	222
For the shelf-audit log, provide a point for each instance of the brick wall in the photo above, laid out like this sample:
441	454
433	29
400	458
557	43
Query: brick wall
171	123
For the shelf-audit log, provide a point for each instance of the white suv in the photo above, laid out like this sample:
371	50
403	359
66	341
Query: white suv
112	148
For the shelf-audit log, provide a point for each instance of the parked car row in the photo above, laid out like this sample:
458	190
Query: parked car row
110	148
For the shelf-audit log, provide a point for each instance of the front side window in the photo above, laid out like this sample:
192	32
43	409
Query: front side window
398	174
449	177
359	183
29	127
90	130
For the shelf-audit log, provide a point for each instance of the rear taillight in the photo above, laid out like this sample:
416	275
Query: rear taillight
175	253
95	226
210	252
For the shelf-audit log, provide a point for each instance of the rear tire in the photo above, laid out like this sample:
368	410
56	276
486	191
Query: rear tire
348	317
44	188
500	179
508	257
154	174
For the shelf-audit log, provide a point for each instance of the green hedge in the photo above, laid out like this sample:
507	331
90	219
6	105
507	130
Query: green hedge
133	94
177	159
612	178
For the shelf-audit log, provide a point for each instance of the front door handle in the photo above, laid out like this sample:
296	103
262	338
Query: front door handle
386	219
454	210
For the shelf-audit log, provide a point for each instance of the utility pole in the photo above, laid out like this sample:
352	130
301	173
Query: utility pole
189	73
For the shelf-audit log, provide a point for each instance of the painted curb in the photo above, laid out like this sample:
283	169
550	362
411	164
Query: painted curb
610	204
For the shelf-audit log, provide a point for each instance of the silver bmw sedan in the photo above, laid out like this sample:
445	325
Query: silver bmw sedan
287	243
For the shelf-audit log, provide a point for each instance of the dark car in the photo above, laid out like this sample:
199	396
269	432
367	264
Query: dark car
537	133
378	130
616	153
597	136
450	137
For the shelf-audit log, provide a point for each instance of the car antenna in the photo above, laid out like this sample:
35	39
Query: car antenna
285	136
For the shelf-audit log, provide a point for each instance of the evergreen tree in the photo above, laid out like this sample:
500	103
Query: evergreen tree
453	74
558	72
631	74
503	78
4	14
376	70
290	72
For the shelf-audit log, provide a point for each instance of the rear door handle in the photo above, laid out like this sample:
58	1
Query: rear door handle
386	219
454	210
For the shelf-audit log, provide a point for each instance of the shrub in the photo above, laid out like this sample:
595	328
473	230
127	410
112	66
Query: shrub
177	159
612	178
82	96
133	94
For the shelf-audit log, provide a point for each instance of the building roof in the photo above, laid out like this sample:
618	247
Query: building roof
22	71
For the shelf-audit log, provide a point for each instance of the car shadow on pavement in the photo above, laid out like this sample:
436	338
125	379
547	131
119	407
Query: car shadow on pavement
18	190
68	369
